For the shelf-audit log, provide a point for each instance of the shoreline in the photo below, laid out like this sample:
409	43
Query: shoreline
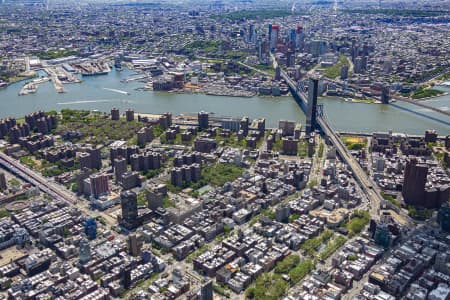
197	92
351	100
432	97
17	81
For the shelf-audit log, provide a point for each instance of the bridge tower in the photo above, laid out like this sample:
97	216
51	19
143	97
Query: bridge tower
311	116
385	93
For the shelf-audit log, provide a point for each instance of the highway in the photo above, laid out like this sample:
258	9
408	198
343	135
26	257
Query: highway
36	179
48	187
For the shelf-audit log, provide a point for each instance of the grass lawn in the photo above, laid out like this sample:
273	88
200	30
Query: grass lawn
216	174
425	92
335	70
96	128
357	222
354	142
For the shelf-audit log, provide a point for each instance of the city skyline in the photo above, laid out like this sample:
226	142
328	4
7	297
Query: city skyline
224	150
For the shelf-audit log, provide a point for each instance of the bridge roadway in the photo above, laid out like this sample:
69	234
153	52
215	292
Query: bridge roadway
366	183
419	103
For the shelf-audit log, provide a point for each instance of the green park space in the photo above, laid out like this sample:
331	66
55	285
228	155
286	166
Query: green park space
272	285
294	267
354	142
311	245
335	70
52	54
206	46
425	92
216	174
332	246
358	220
257	14
301	270
287	264
268	286
96	128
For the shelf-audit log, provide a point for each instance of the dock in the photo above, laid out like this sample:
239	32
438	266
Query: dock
92	68
32	86
59	87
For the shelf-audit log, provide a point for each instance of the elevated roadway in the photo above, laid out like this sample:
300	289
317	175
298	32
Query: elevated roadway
36	179
48	187
367	185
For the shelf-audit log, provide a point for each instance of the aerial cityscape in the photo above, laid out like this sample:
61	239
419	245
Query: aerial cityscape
223	149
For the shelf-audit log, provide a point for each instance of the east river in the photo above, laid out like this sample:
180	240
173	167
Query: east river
103	92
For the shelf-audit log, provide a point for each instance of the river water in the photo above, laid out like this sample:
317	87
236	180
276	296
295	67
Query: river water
95	93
